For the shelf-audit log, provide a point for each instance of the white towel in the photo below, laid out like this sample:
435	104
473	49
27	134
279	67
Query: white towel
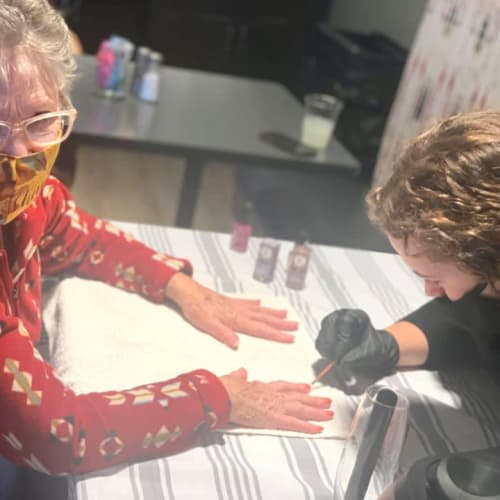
102	338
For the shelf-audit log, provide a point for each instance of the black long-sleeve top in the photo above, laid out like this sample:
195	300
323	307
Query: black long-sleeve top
461	333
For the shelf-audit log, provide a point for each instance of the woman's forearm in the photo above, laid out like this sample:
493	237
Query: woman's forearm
413	345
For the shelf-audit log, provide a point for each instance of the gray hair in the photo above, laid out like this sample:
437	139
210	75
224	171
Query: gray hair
34	29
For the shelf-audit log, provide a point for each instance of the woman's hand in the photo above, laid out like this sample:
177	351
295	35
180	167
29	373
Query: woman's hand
274	405
348	337
221	316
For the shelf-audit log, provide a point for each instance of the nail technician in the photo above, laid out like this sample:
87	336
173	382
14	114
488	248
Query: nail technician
440	210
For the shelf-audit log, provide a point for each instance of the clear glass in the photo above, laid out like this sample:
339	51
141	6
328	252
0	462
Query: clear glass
320	116
43	130
387	462
113	67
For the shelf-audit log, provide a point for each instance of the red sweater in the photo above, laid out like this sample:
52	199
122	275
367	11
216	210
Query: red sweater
46	425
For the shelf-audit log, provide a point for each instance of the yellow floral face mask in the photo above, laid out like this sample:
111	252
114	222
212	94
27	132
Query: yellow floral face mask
22	179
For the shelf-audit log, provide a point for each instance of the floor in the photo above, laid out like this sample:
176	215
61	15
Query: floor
144	187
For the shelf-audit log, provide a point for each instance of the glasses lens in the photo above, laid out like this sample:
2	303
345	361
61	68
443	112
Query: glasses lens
48	130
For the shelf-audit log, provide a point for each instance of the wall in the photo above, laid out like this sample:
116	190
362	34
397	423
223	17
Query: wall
397	19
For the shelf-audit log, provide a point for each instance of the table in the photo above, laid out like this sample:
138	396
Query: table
449	411
200	116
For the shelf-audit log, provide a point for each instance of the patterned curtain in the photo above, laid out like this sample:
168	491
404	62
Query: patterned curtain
453	66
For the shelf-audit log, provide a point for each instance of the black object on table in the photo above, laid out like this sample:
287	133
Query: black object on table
371	444
469	475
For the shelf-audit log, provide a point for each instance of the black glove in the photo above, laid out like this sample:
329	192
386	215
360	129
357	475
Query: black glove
348	337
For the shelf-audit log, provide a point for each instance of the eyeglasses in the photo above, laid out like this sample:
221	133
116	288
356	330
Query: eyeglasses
44	130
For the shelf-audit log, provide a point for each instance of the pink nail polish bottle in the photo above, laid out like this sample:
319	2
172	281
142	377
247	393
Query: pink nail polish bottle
298	263
242	229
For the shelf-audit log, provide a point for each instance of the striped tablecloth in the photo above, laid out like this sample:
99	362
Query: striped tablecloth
449	412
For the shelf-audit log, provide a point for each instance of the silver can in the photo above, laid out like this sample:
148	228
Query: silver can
141	65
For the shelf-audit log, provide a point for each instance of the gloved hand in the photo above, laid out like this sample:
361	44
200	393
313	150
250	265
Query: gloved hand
348	336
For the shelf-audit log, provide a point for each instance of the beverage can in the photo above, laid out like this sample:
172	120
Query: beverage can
141	63
149	82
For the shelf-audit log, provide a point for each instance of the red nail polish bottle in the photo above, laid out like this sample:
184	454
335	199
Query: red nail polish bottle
298	263
242	229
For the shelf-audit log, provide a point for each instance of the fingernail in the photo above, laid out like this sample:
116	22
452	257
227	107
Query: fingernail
318	429
235	343
330	413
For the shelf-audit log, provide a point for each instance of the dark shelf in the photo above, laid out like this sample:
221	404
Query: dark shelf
256	39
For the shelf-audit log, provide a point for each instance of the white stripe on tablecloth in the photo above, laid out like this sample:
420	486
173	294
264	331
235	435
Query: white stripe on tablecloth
473	407
427	430
294	467
308	468
155	238
484	410
217	262
151	480
443	424
251	480
301	308
230	467
207	261
324	472
402	277
417	282
113	483
224	486
223	256
191	469
331	284
135	482
184	245
79	489
166	479
379	284
129	227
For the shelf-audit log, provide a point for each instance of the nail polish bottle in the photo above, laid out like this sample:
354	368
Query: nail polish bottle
267	259
242	229
298	263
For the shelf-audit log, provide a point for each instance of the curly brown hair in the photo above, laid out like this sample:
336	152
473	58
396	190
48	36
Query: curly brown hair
445	193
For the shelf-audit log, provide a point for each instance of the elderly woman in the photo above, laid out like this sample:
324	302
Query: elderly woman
44	424
440	210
